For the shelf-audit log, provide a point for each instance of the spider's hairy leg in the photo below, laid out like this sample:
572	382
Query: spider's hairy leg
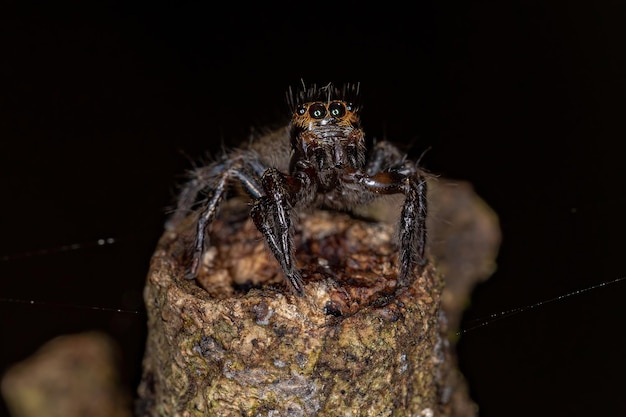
223	174
390	172
201	179
271	215
413	227
206	217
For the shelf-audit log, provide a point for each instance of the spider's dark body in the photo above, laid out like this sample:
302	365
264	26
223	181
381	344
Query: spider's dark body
325	164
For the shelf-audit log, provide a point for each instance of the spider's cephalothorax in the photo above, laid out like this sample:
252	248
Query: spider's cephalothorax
326	165
328	136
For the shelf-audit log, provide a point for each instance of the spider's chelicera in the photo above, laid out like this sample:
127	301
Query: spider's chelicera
325	164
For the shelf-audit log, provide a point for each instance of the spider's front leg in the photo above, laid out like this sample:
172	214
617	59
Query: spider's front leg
271	215
405	179
389	172
412	218
413	227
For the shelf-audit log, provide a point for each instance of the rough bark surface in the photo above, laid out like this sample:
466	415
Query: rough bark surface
238	343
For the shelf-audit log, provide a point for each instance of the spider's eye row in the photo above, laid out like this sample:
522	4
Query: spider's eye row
337	109
317	110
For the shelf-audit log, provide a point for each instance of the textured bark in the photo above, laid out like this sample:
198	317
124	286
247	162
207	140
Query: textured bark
240	344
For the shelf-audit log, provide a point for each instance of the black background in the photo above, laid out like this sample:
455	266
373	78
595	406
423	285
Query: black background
103	106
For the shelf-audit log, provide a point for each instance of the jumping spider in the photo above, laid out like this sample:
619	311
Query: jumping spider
324	164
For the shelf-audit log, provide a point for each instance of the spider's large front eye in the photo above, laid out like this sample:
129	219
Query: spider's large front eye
337	109
317	111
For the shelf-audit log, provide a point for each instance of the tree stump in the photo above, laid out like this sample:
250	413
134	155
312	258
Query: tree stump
236	342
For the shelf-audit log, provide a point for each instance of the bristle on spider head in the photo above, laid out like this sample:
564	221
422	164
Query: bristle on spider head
348	92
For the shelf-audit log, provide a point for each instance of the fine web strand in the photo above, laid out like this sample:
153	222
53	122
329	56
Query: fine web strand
70	305
484	321
58	249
